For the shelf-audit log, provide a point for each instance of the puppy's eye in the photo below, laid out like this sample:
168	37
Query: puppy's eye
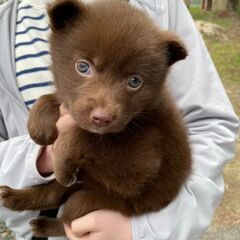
135	82
83	68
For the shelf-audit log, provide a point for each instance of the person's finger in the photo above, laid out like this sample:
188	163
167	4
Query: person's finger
69	233
65	122
63	110
84	225
86	237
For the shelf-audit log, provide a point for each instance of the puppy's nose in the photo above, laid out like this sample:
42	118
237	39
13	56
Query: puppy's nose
101	118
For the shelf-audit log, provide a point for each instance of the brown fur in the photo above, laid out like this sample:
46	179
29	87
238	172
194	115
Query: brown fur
138	163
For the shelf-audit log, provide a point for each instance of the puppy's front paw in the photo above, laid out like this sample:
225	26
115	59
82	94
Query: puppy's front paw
42	120
43	134
10	198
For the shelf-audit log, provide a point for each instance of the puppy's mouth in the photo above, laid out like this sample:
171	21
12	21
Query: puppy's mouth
115	127
96	130
101	130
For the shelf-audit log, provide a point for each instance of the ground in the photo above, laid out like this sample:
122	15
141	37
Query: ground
226	55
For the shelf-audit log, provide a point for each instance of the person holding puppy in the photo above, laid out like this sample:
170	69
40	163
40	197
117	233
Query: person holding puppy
209	116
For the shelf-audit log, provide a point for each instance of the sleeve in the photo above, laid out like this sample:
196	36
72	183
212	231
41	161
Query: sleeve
18	160
3	130
212	128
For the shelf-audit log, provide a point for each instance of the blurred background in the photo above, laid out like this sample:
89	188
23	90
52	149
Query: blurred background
219	23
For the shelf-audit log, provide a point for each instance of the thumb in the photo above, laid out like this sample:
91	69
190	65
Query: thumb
63	110
84	225
65	123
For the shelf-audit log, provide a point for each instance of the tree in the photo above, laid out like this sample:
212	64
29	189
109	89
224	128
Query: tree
215	5
207	5
232	4
220	5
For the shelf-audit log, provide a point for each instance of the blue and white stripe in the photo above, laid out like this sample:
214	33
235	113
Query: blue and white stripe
32	51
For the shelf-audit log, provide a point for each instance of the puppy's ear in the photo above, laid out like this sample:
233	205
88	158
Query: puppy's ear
175	49
64	13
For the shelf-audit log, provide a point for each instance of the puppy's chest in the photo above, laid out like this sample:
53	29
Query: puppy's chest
121	150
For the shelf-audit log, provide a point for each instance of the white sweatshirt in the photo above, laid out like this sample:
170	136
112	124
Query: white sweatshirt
195	84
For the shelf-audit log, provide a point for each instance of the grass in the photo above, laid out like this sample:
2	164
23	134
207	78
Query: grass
226	56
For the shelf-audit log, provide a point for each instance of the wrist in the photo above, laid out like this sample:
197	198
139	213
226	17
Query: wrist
45	161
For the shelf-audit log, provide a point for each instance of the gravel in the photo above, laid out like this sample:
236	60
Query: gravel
223	233
5	234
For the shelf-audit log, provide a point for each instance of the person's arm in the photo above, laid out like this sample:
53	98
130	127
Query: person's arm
3	130
33	163
18	160
212	126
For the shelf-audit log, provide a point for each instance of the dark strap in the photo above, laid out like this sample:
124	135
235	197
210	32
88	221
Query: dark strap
52	213
39	238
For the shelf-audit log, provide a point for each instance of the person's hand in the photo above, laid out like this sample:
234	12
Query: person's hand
65	121
45	162
100	225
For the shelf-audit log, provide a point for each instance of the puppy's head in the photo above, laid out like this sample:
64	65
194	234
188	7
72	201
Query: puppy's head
109	61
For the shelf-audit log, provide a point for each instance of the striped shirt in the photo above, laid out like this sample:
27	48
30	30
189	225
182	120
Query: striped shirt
32	51
33	59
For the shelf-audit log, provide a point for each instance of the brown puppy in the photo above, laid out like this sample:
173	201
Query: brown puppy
130	149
